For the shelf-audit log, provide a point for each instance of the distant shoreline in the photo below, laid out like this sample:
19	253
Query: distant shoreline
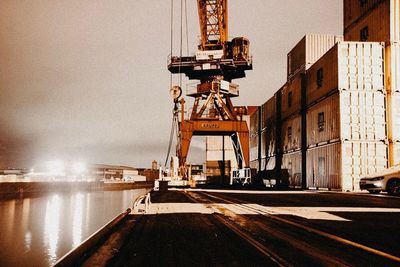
22	189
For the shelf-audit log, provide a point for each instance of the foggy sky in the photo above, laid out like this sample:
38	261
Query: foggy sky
87	79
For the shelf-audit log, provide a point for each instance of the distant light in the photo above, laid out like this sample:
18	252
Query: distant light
55	167
78	167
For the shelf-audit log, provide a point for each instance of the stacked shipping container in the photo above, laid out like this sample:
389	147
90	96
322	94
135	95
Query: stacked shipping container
346	124
379	21
337	117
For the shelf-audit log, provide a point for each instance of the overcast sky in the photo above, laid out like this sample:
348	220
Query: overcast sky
87	79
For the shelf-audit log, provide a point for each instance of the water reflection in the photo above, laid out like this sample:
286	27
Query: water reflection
77	220
38	231
52	226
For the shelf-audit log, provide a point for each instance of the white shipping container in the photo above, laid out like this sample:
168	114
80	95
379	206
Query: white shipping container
291	134
396	154
347	115
214	149
347	66
308	51
360	159
341	165
362	116
395	120
392	71
292	163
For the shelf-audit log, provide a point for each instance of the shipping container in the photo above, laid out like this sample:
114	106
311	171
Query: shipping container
347	115
291	97
347	66
308	51
340	166
254	126
378	24
253	146
254	164
291	134
354	10
214	149
396	154
360	159
395	120
270	110
291	163
392	67
261	115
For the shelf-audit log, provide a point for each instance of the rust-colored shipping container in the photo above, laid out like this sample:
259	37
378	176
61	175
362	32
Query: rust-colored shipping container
340	166
347	66
270	110
376	22
308	51
291	134
291	97
347	115
291	163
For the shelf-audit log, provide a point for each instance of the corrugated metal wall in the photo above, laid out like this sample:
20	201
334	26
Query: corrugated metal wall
396	149
360	159
323	167
308	51
353	10
392	58
292	163
396	116
382	21
214	149
291	97
291	134
347	66
330	130
362	115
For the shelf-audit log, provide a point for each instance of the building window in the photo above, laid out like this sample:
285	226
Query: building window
321	121
364	34
320	77
289	134
289	100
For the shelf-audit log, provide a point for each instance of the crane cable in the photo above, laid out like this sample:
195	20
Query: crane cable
174	124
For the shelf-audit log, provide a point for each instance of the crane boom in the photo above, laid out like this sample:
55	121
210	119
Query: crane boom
213	20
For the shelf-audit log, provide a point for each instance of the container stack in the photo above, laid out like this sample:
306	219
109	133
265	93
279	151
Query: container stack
291	130
254	140
299	60
346	123
379	21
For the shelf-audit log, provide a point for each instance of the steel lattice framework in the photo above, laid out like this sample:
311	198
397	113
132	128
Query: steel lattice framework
213	17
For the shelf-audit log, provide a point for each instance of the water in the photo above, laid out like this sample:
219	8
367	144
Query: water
38	231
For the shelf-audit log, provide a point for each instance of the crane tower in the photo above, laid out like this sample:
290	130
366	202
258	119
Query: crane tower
216	63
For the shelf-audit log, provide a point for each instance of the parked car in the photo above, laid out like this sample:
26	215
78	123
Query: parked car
387	180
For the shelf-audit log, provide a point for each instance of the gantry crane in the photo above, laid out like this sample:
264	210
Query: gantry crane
216	63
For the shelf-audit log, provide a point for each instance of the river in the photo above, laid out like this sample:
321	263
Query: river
37	231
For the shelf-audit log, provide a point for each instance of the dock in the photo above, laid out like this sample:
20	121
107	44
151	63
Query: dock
189	227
